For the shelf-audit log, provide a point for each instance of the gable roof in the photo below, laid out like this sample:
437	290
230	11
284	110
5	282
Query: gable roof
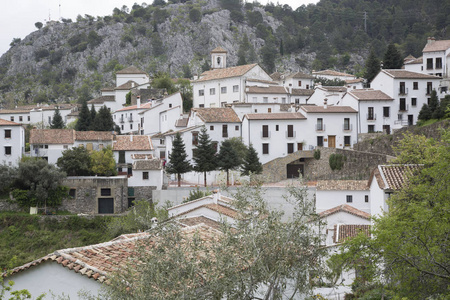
333	88
183	122
131	70
393	177
102	99
414	61
148	164
273	89
217	115
342	185
302	92
93	136
219	50
276	76
432	46
225	73
343	232
347	209
127	85
52	136
300	75
329	109
276	116
369	95
8	123
331	73
132	143
132	107
403	74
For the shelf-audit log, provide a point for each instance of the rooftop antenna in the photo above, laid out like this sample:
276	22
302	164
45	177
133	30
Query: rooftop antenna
60	10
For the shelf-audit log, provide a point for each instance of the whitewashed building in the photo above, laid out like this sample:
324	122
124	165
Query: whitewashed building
436	61
332	75
129	148
12	142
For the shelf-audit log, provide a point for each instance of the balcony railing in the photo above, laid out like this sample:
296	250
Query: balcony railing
403	107
347	127
403	91
401	122
320	127
121	120
290	134
130	119
371	117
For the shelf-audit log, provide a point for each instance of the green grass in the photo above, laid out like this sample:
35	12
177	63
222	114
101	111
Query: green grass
427	122
30	237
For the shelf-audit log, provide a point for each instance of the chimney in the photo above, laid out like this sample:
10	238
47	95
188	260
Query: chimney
131	138
138	101
216	196
325	101
430	40
132	84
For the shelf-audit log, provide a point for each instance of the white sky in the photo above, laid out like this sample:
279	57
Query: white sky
18	17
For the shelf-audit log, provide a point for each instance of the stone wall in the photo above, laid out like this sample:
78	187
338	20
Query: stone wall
144	193
8	205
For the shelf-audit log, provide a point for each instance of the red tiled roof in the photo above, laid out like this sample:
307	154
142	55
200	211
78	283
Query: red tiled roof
192	221
437	46
217	115
276	116
221	209
397	175
148	164
350	81
266	90
132	142
225	73
102	99
132	107
342	185
370	95
182	122
345	208
335	89
8	123
343	232
331	73
52	136
400	74
141	156
126	86
302	92
219	50
131	70
276	76
93	136
329	109
300	75
14	111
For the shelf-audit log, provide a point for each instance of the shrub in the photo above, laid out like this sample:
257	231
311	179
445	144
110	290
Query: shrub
41	53
196	194
195	15
317	154
336	161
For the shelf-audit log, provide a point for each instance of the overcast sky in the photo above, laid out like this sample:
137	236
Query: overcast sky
19	16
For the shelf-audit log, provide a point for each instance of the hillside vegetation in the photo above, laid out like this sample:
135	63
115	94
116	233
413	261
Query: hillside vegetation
71	60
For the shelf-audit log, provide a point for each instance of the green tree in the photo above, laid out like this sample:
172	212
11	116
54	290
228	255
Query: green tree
372	66
195	15
425	113
178	163
38	25
251	164
57	121
228	158
103	162
93	112
84	118
75	162
269	54
205	154
103	120
392	58
185	88
7	177
163	81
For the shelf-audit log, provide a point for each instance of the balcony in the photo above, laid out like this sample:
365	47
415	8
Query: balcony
401	122
320	127
291	134
403	107
130	119
121	120
347	127
403	91
371	117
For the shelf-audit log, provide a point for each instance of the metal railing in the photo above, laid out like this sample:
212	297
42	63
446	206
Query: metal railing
347	127
320	127
371	117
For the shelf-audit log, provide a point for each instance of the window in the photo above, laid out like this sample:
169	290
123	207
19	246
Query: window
20	118
170	105
366	198
65	147
212	91
319	125
438	62
371	128
12	118
265	148
29	118
211	127
283	99
349	198
266	99
265	131
224	130
131	126
290	148
201	105
297	100
413	101
121	157
290	132
121	127
73	193
7	150
105	192
144	175
320	141
402	104
235	88
415	85
277	127
201	92
161	141
429	87
402	88
347	140
236	127
299	83
223	90
49	120
195	138
346	123
370	114
269	110
386	111
429	63
7	133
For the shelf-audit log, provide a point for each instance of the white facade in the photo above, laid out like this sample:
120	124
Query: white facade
151	178
51	152
12	142
341	217
326	199
332	94
152	118
140	78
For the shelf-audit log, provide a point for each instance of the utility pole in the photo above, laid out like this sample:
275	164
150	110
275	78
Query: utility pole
365	22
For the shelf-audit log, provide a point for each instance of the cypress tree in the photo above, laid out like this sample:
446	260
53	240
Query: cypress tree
57	121
228	158
103	120
392	58
425	113
204	154
84	118
372	66
251	164
178	162
93	114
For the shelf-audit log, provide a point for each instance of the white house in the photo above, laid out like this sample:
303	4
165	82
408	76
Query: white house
50	143
132	74
354	84
410	90
376	110
299	80
332	93
37	114
147	172
12	142
436	61
129	119
413	64
93	140
267	94
332	193
126	147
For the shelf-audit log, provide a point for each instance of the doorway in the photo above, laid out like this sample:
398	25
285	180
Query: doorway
331	141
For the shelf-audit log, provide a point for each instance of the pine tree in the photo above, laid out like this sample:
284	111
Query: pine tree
372	66
425	113
228	158
84	118
93	114
204	154
57	121
392	58
103	120
251	164
178	162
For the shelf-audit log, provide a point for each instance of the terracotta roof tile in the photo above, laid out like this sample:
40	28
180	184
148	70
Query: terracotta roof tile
217	115
108	89
343	232
415	61
93	136
350	81
345	208
333	89
182	122
400	74
132	107
192	221
342	185
225	73
300	75
329	109
302	92
131	70
127	85
8	123
370	95
149	164
261	81
276	116
441	45
102	99
132	142
14	111
52	136
219	50
331	73
395	176
276	76
141	156
266	90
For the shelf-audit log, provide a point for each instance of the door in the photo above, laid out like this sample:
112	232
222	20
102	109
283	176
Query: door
293	171
331	141
105	205
410	120
387	129
299	146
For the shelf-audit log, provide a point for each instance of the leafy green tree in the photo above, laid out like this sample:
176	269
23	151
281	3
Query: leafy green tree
75	162
228	158
84	118
128	99
103	162
440	112
103	120
425	113
251	164
38	25
269	54
204	155
195	15
57	121
163	81
372	66
185	88
392	58
7	177
178	163
93	112
239	146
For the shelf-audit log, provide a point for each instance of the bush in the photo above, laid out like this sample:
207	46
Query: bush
41	53
317	154
195	15
196	194
336	161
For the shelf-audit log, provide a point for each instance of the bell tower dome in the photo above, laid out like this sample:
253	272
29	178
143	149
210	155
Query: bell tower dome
218	58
